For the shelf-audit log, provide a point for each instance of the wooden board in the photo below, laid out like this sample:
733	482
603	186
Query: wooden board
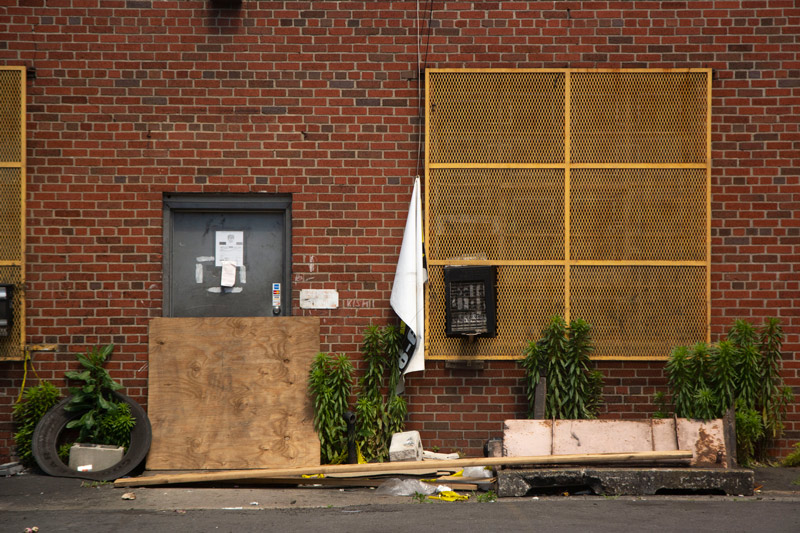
231	393
595	459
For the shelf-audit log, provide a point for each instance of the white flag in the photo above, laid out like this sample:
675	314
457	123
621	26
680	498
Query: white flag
408	299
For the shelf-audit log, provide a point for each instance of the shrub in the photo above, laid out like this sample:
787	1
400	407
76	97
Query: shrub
740	371
102	420
329	383
379	412
562	354
35	402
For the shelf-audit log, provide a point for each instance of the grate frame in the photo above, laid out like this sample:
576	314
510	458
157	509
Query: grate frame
12	201
618	184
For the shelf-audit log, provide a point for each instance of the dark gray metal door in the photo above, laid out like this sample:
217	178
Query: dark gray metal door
226	257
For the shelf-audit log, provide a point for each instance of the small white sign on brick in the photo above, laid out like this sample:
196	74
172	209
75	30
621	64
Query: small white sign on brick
319	299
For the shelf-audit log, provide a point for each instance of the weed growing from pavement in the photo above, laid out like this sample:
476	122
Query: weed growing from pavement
420	498
487	497
94	484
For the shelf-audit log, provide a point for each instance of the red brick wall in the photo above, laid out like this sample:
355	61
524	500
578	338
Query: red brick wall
135	98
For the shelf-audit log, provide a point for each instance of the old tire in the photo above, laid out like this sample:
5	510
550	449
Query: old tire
45	439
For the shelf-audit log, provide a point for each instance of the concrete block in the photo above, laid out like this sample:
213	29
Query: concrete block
625	481
601	436
522	438
405	446
94	457
706	439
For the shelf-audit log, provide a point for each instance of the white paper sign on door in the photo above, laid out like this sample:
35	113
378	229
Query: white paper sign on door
229	247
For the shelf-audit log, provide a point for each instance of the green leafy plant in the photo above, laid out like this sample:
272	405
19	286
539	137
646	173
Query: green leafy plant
742	371
562	354
379	415
94	484
660	399
380	412
35	402
101	419
749	430
63	451
487	497
330	381
420	497
793	459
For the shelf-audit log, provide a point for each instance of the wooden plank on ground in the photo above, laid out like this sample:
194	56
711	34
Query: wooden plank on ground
231	393
601	458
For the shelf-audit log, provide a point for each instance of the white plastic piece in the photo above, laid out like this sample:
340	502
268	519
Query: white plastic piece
428	455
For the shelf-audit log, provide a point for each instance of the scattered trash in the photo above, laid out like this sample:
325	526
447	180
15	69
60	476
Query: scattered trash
535	498
11	469
33	529
253	503
435	456
180	511
405	487
232	508
449	496
129	496
478	471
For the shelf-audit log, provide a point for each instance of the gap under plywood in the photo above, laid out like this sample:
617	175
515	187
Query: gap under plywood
230	393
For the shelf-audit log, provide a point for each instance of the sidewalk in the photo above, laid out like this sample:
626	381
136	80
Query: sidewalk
32	491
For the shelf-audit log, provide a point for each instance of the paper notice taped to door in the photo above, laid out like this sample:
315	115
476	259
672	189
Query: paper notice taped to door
228	274
229	247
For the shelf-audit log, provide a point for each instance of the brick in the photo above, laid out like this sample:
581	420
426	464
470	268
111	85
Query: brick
325	108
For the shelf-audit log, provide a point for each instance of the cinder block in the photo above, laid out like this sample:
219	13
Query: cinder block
406	446
94	457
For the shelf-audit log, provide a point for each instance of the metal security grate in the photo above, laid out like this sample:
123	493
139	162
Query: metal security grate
638	117
636	310
12	201
589	190
11	346
496	117
11	121
497	214
638	214
10	215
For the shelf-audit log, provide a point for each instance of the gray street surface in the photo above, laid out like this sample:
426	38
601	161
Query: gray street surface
57	504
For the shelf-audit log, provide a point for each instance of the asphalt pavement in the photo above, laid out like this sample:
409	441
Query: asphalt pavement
65	504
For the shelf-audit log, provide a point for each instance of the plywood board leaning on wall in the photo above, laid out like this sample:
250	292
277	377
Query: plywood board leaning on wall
231	393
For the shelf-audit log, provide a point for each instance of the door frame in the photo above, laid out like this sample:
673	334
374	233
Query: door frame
237	203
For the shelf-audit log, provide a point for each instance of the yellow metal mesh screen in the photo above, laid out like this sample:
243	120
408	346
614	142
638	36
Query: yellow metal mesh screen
639	117
636	310
530	296
10	346
589	192
12	202
11	126
10	215
638	214
482	117
497	214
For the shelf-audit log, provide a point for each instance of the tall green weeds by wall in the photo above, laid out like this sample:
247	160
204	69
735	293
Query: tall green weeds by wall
574	390
380	412
743	371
